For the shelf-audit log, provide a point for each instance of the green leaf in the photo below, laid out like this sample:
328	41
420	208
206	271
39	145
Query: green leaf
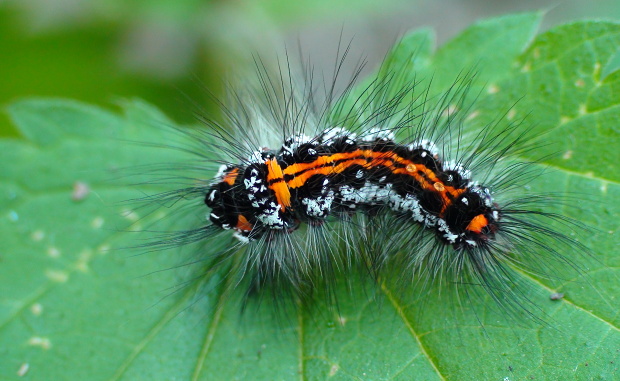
488	48
75	303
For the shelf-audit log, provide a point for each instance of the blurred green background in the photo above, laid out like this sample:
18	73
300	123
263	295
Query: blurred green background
167	51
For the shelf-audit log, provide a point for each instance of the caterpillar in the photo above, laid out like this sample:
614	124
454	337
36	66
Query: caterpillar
384	176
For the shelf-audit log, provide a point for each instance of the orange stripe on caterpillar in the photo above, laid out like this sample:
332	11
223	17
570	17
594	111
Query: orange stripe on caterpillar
231	177
477	224
370	159
243	224
275	179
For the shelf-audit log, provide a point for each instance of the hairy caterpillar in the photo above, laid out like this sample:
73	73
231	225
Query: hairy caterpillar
385	176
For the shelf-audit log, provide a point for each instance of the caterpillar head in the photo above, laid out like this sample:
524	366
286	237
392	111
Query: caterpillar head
473	218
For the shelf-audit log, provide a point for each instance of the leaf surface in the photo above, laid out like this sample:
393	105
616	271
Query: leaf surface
76	303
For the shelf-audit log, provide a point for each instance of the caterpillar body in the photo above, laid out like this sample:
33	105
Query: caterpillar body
309	179
388	177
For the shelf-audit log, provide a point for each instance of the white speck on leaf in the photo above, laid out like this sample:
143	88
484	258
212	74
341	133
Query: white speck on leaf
57	275
97	222
80	191
53	252
23	369
37	341
37	235
36	309
333	370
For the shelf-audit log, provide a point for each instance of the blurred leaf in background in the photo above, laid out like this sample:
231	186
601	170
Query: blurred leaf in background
162	51
167	51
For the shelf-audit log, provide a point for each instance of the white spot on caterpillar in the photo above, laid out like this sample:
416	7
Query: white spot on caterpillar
377	134
484	193
350	194
220	172
243	239
320	206
567	155
97	223
212	195
511	114
252	182
36	309
452	165
488	198
424	144
256	157
385	134
293	143
37	235
409	203
37	341
329	135
53	252
103	249
565	119
23	369
373	194
56	275
465	201
603	187
271	217
448	234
